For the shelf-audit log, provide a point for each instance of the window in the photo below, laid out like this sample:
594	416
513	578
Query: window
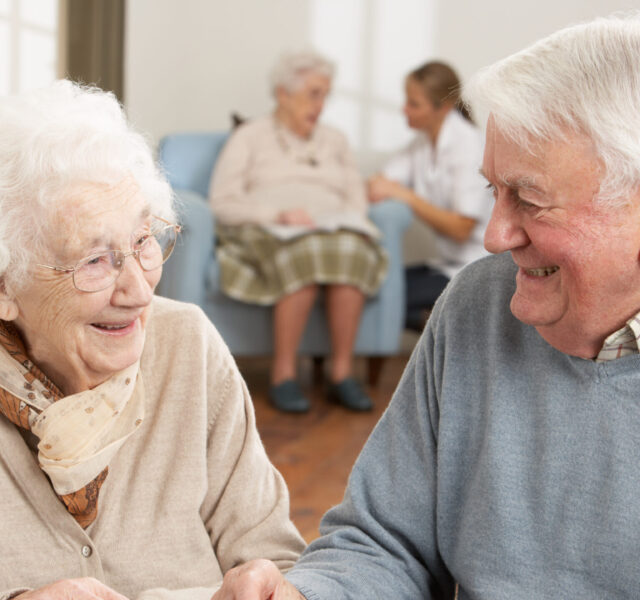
374	43
28	44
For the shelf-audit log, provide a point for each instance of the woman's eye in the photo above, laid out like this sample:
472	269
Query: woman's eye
96	260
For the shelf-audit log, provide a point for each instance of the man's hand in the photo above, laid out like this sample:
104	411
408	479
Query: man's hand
256	580
86	588
295	216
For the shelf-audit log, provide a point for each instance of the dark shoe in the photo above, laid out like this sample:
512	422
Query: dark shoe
288	397
350	394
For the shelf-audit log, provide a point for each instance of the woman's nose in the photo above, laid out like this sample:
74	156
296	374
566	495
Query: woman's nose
133	284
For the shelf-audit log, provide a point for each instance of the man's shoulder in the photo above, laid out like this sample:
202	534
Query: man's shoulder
479	293
486	278
473	315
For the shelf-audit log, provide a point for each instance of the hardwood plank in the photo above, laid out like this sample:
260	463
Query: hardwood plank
315	451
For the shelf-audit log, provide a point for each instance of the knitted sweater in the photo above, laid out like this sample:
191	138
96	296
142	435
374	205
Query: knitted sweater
501	464
190	495
261	173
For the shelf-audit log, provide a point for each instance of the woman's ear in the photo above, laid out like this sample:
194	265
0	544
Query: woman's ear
8	306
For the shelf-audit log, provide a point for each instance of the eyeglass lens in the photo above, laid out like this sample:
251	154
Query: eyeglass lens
99	271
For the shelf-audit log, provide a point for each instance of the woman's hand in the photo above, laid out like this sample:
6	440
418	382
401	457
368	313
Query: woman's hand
379	188
256	580
86	588
295	216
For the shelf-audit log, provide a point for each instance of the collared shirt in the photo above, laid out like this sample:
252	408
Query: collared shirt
622	342
447	176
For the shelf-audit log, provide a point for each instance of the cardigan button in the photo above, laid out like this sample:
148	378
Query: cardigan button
86	551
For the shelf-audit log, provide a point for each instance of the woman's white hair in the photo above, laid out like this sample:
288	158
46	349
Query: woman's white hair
291	69
584	79
52	139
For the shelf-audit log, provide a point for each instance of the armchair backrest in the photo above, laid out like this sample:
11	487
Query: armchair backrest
188	159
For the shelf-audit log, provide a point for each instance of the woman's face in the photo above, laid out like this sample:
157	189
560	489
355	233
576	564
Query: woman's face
301	108
421	112
80	339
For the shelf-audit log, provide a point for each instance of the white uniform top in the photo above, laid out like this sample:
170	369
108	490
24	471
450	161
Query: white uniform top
448	177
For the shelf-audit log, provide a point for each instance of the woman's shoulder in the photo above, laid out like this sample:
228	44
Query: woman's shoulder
180	324
250	128
459	135
456	127
331	134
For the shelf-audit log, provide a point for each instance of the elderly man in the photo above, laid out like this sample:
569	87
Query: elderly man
507	463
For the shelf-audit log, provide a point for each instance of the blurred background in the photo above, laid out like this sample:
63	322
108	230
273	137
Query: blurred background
186	65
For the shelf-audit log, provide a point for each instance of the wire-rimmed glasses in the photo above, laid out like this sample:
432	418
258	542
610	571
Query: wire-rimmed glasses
151	249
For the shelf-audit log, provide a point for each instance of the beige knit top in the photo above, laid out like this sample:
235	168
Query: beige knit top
265	169
188	496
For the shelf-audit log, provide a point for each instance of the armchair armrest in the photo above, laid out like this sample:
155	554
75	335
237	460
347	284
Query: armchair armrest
184	275
392	218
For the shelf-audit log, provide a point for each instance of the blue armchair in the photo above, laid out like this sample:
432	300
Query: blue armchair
192	272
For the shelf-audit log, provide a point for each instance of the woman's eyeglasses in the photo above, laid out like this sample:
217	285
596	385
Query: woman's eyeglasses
151	249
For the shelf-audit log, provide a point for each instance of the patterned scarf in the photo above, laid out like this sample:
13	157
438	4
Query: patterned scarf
78	434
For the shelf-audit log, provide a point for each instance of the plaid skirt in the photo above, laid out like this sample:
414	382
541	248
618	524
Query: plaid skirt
258	268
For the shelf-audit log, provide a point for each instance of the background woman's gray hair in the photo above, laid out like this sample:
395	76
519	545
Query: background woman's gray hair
291	68
583	79
51	139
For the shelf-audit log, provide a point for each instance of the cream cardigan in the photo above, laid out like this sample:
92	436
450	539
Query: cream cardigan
262	172
190	495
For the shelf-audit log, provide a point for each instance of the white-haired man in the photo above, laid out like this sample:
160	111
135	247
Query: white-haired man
507	463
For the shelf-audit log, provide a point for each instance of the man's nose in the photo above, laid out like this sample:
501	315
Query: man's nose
505	230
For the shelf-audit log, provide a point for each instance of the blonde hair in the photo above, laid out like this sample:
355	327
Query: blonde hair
440	84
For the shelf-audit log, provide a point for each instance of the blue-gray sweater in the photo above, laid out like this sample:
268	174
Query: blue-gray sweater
501	464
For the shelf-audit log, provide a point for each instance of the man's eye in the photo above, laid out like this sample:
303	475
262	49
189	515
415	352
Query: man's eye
492	189
520	202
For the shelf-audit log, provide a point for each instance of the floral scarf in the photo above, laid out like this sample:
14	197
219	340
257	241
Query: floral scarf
78	434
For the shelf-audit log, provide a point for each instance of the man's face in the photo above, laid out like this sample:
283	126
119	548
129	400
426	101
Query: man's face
579	272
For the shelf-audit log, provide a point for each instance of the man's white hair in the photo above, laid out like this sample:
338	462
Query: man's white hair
292	67
584	79
52	139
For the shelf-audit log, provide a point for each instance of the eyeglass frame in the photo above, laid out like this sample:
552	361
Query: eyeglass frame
136	253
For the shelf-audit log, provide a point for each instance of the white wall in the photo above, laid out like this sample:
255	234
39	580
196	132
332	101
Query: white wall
473	34
189	63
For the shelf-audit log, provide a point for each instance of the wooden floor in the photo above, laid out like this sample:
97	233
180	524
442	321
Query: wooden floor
315	451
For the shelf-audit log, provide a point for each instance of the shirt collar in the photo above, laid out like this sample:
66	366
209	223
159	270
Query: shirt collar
622	342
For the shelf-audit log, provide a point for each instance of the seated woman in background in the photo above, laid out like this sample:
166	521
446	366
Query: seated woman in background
437	175
129	458
291	212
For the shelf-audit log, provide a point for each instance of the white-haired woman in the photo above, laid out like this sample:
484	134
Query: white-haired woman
130	465
291	211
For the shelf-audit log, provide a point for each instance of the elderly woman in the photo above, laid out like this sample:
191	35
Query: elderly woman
129	458
291	208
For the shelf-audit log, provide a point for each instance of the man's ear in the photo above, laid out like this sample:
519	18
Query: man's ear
8	306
